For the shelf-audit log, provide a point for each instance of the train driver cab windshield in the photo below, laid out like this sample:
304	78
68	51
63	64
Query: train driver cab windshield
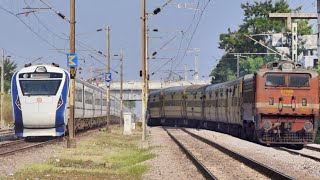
39	87
287	80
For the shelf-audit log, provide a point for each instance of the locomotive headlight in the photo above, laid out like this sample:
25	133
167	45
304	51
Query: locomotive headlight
267	125
304	101
25	76
271	100
41	69
308	126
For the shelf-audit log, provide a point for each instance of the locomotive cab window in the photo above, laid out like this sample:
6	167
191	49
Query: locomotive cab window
299	80
275	80
39	87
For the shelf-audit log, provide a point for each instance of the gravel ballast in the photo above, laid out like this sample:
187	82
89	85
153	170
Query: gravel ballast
293	165
171	163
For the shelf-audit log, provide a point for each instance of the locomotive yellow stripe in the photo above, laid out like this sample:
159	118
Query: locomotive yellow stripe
266	105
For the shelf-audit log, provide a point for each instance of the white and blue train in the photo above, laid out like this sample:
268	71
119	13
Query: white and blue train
41	107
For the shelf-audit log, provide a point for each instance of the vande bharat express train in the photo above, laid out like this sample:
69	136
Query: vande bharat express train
276	105
41	107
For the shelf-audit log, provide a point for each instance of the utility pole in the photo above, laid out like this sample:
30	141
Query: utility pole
294	46
294	27
147	63
2	90
143	112
196	68
71	140
108	70
121	87
238	68
318	33
185	72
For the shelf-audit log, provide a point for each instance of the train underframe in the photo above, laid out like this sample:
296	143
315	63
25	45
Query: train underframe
248	130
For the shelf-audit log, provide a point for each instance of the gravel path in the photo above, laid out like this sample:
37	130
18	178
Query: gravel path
170	163
293	165
221	165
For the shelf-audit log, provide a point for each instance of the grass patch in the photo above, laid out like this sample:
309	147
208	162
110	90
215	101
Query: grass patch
7	111
108	155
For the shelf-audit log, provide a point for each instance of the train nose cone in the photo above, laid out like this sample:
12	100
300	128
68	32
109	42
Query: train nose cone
38	112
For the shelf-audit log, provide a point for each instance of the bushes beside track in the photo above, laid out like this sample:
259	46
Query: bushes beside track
7	111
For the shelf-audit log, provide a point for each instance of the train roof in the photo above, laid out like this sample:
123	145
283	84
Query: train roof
175	89
157	91
222	85
197	88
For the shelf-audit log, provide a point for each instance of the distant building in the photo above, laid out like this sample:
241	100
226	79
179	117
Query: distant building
308	57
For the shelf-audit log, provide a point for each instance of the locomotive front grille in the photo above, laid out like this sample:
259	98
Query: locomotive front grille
288	137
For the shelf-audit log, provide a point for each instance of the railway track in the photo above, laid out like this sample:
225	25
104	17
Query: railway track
312	148
300	153
12	147
252	164
4	132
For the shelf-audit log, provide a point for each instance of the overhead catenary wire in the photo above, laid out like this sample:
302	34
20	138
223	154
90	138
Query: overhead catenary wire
38	35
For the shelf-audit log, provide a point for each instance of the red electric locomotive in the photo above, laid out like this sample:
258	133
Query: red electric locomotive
277	105
287	104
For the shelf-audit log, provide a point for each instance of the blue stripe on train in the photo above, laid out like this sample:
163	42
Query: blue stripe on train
17	113
61	111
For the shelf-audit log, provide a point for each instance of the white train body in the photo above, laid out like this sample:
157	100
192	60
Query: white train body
40	102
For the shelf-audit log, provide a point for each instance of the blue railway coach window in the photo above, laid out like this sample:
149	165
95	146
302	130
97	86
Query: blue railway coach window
299	80
39	87
275	80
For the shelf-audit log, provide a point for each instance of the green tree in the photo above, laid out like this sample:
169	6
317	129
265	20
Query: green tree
9	69
130	104
255	21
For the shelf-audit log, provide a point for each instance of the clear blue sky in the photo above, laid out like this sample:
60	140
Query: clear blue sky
123	17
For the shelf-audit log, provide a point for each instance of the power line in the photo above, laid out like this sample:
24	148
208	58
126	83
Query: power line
197	25
39	36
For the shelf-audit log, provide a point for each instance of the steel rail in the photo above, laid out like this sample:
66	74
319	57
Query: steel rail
298	153
312	148
262	168
27	147
204	171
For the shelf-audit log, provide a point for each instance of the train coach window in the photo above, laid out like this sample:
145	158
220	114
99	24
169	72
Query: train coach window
88	97
97	102
78	96
275	80
299	80
39	87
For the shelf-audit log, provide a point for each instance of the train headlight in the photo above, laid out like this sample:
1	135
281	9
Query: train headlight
304	101
271	100
25	75
267	125
308	126
41	69
60	102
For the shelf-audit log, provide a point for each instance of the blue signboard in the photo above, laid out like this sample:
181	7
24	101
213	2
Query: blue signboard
108	77
72	60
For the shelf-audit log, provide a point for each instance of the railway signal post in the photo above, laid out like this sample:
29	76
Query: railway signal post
2	90
72	63
108	71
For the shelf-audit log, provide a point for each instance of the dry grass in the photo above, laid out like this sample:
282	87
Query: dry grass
7	111
108	155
